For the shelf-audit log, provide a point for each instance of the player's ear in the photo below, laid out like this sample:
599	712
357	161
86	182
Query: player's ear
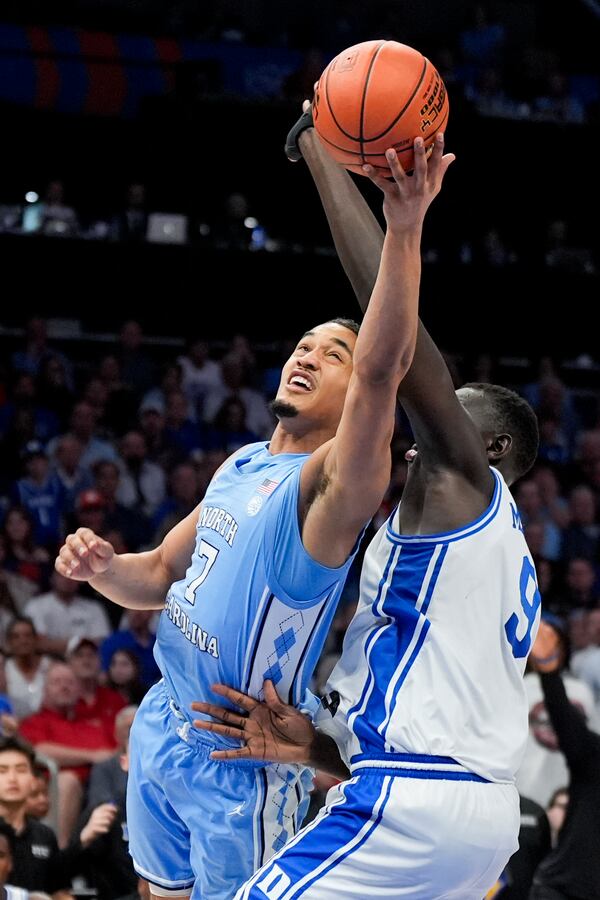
498	446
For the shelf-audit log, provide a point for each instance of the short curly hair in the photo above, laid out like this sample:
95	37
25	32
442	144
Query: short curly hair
511	414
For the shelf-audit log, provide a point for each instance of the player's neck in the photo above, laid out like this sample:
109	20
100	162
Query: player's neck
295	437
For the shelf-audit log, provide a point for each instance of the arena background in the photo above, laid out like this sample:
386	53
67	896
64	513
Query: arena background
196	102
185	105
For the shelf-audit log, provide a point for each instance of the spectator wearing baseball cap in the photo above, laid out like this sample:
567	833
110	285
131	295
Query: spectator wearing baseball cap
40	492
96	704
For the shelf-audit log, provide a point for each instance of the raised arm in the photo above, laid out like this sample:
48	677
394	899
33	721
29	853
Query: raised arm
445	434
352	472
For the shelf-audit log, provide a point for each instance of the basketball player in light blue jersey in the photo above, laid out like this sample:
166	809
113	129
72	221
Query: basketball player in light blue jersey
425	716
250	580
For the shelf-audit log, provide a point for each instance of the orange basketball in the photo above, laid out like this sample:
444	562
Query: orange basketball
376	95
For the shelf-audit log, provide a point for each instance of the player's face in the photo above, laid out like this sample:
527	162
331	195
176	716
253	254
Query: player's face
315	378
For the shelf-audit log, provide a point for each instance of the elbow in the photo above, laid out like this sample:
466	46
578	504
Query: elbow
384	370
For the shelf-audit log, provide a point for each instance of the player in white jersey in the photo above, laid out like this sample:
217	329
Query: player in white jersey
249	581
425	716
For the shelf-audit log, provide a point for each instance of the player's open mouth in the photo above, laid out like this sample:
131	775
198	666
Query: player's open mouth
300	382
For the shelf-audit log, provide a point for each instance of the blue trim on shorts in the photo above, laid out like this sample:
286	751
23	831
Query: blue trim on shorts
434	774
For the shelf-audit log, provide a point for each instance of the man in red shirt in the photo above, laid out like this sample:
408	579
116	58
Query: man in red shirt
72	741
96	704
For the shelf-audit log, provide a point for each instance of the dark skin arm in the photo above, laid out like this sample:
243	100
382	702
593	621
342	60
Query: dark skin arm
454	484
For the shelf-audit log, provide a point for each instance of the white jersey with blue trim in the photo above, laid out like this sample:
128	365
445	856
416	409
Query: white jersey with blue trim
433	661
253	603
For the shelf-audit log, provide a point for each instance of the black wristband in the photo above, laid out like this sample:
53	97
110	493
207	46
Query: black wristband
292	151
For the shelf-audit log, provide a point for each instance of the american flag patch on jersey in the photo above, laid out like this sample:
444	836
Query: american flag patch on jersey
267	487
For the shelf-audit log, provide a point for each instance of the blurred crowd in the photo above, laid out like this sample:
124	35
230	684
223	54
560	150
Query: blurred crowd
125	442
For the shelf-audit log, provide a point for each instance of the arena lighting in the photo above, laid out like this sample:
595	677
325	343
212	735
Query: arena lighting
31	197
250	222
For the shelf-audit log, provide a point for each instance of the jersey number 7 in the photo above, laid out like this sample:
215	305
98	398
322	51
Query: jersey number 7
209	553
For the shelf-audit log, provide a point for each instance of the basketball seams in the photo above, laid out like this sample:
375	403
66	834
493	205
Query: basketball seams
363	101
405	107
330	106
382	153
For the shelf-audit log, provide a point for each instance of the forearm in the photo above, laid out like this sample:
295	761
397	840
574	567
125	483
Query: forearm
135	580
356	233
57	646
66	756
386	342
574	737
325	755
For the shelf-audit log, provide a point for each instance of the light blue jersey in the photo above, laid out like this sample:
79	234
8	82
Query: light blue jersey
253	605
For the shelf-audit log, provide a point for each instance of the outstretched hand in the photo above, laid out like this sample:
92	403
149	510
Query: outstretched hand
408	197
270	730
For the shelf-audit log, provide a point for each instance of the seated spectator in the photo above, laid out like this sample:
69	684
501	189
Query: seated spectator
142	484
258	418
83	425
108	779
9	891
38	864
581	537
133	524
121	401
73	743
585	663
182	434
124	676
15	592
200	376
23	419
38	802
23	555
73	476
25	669
229	431
554	505
110	867
554	445
40	492
62	614
90	511
137	367
184	496
137	637
531	510
156	398
97	704
37	351
54	387
580	588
